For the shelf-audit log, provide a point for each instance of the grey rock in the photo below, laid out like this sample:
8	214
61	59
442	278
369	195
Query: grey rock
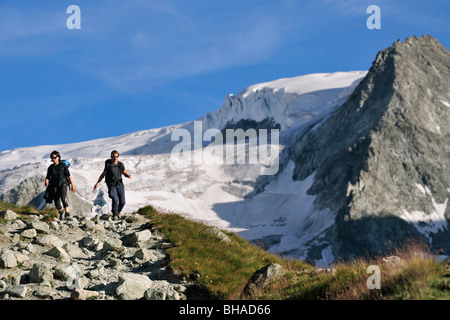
80	294
50	241
59	253
382	154
155	294
263	277
144	255
113	245
19	291
40	273
219	234
132	286
29	233
8	215
39	226
8	259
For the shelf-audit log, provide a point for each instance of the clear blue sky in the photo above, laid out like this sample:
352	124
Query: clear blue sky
141	64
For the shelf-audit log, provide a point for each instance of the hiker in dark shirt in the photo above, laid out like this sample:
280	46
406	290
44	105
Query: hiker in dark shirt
116	190
57	182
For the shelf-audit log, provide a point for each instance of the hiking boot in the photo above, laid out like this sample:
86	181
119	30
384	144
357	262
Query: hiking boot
67	216
62	215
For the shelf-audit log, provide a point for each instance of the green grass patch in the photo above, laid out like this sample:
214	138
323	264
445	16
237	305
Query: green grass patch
224	268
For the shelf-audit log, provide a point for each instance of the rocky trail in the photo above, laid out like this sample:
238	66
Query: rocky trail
83	258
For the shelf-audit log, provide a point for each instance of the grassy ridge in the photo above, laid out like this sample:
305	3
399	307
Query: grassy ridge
224	268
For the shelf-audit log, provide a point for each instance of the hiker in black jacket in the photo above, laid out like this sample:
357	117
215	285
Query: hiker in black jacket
116	190
57	182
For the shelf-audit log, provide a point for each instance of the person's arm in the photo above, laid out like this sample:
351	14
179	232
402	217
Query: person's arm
126	174
73	185
100	179
47	178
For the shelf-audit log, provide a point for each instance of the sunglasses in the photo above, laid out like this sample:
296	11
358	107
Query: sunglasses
114	156
55	157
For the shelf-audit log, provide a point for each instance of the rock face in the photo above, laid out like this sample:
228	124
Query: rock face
31	191
380	162
82	258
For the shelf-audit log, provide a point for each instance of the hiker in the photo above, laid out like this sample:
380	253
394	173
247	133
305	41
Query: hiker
57	182
116	190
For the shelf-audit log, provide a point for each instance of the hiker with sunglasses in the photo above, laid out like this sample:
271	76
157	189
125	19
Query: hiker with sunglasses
116	190
57	182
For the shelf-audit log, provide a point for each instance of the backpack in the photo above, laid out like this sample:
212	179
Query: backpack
61	166
66	163
113	173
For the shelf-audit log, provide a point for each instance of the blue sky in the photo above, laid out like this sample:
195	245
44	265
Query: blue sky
142	64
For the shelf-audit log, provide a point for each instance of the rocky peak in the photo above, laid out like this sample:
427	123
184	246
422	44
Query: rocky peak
379	162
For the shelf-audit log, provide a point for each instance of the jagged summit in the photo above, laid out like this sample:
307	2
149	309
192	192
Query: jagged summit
381	161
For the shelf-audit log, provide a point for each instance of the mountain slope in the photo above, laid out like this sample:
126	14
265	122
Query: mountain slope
262	208
381	161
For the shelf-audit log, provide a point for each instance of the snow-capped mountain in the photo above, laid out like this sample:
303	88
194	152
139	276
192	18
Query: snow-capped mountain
231	196
360	160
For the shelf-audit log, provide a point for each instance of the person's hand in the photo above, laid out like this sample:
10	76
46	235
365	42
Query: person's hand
73	188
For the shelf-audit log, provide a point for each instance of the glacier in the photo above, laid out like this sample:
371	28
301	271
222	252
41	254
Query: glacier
274	212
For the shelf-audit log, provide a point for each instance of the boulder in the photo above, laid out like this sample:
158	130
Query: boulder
40	273
50	241
219	234
29	233
8	215
144	255
40	226
59	253
113	245
19	291
263	277
132	286
7	259
80	294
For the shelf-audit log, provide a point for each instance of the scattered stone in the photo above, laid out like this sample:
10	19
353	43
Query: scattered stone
216	232
40	273
44	292
50	241
83	259
139	236
29	233
132	286
81	294
144	255
19	291
263	277
155	294
8	259
113	245
59	253
8	215
67	273
39	226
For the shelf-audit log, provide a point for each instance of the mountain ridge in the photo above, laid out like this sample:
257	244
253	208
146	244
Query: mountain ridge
389	146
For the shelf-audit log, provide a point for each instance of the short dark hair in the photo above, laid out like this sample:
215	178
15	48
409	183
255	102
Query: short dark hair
115	152
55	153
